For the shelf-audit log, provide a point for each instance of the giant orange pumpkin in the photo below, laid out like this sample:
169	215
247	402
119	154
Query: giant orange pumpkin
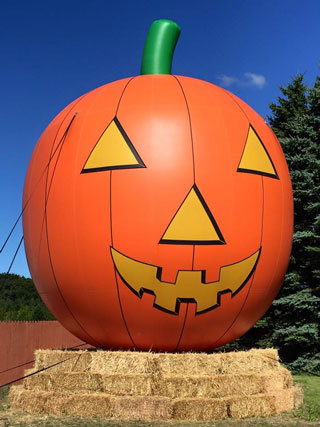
159	212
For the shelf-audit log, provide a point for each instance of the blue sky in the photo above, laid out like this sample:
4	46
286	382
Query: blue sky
54	51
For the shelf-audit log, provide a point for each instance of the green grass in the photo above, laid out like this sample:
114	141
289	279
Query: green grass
4	391
310	411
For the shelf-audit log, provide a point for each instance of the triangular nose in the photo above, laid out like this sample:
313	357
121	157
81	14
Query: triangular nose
193	223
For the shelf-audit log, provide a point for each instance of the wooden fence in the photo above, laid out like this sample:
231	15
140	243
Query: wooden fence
19	340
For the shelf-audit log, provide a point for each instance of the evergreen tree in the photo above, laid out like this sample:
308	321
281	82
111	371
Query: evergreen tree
293	105
314	207
292	322
299	136
294	317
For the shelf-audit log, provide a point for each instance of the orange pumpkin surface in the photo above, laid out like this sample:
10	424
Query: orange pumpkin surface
159	215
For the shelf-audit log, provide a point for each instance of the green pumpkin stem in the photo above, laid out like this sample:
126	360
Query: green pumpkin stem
159	47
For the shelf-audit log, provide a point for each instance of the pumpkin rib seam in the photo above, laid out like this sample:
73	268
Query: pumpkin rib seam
111	233
46	218
253	275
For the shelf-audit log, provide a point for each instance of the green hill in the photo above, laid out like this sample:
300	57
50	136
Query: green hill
19	299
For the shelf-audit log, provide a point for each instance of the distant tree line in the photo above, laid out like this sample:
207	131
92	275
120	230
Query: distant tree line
19	300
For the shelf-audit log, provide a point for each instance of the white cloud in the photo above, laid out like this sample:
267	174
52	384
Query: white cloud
248	79
256	79
227	80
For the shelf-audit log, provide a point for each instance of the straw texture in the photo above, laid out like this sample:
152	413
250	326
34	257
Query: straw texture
158	386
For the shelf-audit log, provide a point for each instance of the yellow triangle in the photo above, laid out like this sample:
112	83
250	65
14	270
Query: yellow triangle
193	223
255	157
113	151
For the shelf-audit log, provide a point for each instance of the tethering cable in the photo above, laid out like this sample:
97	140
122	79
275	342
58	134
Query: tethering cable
15	254
39	370
62	139
73	357
31	361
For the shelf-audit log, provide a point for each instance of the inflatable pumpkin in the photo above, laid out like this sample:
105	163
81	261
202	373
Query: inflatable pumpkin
159	211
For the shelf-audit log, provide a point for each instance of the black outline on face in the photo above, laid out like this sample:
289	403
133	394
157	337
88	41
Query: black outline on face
180	300
130	145
254	171
221	240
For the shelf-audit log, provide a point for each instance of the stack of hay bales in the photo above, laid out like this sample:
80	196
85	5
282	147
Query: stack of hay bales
157	386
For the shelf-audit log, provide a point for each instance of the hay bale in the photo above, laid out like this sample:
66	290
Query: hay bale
284	400
74	382
29	371
77	382
250	406
297	397
158	386
21	398
154	385
72	360
124	363
41	402
252	361
287	400
37	382
215	386
88	405
143	408
276	380
128	385
199	409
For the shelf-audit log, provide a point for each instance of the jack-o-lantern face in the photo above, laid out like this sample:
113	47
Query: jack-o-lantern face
192	224
164	217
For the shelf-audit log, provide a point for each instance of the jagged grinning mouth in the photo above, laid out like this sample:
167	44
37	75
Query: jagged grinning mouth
190	285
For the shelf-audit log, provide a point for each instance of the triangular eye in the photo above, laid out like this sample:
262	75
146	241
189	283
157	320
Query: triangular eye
193	223
255	158
113	150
